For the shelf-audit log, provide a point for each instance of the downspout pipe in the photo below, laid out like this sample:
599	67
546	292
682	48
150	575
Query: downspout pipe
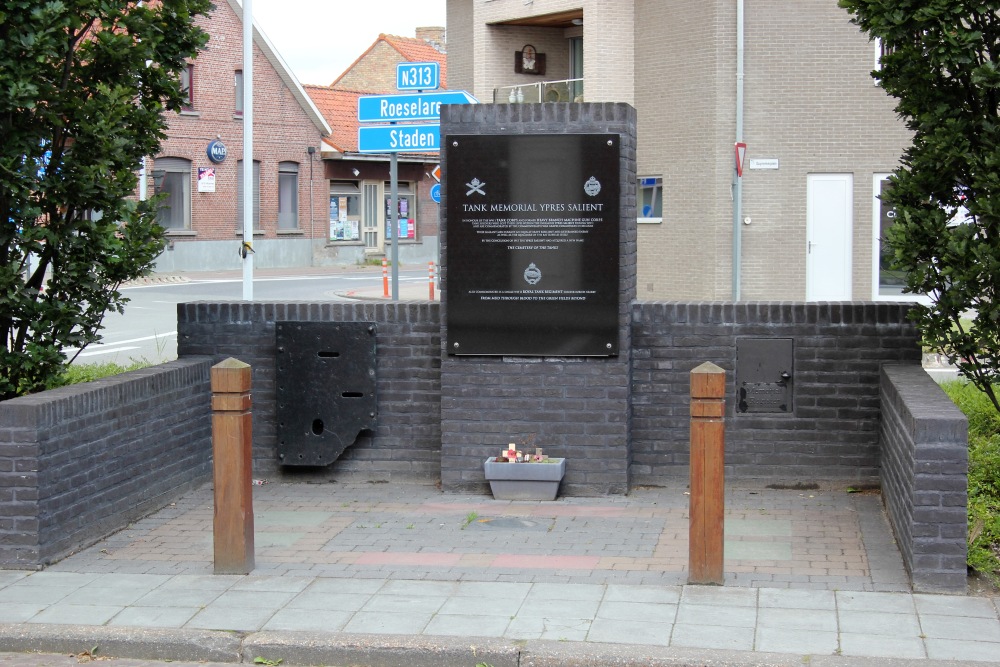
737	181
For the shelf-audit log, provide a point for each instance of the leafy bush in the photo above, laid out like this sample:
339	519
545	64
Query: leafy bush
984	477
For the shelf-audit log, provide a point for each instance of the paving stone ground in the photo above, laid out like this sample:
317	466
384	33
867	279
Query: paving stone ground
807	573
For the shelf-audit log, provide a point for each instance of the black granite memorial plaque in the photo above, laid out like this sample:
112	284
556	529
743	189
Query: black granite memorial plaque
533	244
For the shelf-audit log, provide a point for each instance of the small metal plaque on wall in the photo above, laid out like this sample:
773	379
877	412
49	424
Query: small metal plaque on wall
533	244
764	375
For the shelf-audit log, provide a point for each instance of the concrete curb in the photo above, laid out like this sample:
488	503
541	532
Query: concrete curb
123	642
372	650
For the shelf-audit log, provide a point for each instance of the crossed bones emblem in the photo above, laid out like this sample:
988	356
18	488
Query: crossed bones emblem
476	185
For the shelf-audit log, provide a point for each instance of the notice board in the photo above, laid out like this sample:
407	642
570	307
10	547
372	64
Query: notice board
533	244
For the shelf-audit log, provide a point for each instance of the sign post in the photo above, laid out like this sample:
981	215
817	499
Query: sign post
409	138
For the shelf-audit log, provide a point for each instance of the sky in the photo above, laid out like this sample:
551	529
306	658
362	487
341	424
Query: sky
319	39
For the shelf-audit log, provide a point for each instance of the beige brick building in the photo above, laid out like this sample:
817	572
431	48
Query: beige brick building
203	212
820	134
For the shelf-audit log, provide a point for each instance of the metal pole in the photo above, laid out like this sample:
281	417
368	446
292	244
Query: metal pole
737	181
247	150
393	229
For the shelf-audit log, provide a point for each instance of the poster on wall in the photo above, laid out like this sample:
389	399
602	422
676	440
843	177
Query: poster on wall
533	244
342	229
206	179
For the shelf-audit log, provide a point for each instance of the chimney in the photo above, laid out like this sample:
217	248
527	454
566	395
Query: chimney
436	36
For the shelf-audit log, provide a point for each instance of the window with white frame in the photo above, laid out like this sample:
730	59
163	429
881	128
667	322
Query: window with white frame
650	198
288	195
238	107
187	87
172	177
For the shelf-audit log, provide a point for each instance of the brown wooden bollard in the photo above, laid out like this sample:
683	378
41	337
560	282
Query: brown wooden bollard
707	506
232	470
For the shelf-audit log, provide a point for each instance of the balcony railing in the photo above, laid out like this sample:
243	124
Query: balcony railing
567	90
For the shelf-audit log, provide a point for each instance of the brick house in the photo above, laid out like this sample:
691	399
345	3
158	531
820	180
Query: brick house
359	183
200	163
804	220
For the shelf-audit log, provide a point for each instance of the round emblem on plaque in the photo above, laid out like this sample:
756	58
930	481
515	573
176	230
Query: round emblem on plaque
532	274
216	151
592	186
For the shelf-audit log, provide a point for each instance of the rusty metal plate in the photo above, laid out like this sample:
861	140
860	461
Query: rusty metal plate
325	377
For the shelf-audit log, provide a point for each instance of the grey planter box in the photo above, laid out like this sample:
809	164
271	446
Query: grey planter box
525	481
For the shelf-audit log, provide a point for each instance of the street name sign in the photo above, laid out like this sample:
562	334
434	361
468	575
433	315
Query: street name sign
418	76
399	138
407	107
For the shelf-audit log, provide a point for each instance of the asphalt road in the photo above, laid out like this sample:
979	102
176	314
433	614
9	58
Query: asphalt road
148	328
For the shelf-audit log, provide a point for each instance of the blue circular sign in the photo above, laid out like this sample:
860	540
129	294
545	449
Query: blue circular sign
216	151
436	193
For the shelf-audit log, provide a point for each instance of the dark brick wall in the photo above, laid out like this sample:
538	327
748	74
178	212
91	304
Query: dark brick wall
80	462
407	440
831	432
572	407
924	466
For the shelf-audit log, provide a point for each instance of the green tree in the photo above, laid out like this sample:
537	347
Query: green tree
83	89
940	61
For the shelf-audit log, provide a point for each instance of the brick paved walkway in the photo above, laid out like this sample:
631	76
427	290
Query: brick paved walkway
774	538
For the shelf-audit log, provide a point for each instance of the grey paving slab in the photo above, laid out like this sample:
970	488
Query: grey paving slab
467	625
565	609
73	614
803	642
633	593
719	595
953	649
32	594
649	633
418	588
390	623
12	612
492	590
712	636
879	623
8	577
154	617
165	596
821	620
886	602
881	646
238	619
955	605
716	616
340	585
319	600
568	592
308	620
482	607
796	599
961	628
400	604
555	628
637	611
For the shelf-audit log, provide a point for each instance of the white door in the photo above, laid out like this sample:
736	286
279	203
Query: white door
371	217
829	223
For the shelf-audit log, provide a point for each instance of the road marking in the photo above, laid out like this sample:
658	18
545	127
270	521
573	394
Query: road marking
108	351
99	348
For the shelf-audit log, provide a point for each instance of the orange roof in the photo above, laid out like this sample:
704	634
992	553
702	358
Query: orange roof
412	50
340	108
